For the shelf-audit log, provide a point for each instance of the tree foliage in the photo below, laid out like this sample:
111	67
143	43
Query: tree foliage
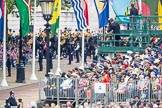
10	5
66	4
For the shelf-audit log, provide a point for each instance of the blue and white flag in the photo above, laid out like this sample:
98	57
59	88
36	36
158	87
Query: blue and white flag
103	12
1	18
81	13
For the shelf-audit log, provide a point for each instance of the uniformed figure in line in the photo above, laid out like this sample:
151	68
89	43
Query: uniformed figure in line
9	65
77	52
70	49
51	58
40	60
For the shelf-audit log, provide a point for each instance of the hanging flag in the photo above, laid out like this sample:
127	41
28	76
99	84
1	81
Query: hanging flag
85	7
127	12
160	13
103	12
81	13
1	18
23	9
149	7
120	7
55	17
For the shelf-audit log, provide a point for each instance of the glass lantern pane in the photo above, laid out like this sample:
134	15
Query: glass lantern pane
50	7
43	6
47	6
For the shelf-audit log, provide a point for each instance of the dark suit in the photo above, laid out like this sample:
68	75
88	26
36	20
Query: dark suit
9	66
40	60
70	53
133	19
12	101
116	31
7	106
70	49
77	52
51	58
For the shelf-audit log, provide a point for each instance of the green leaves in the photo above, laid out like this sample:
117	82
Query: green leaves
10	5
66	5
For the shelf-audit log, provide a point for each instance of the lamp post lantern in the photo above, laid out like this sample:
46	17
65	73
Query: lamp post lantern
47	9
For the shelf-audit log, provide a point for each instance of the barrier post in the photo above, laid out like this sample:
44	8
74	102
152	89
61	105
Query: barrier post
58	89
91	98
76	93
106	95
149	94
40	89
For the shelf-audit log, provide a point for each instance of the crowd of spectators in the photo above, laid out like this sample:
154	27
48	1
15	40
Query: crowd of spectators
136	76
139	72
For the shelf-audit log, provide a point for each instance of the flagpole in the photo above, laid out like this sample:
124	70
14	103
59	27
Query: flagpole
33	75
140	6
4	82
140	20
58	70
83	38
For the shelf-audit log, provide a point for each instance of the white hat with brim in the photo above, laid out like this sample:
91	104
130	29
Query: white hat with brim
129	52
80	68
98	103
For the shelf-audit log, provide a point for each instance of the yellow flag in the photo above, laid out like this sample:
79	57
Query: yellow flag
55	16
160	13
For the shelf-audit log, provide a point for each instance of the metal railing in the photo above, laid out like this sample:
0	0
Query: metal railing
79	91
136	35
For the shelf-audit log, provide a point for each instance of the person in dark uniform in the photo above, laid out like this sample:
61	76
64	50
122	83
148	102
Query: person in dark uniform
70	49
9	65
114	28
11	99
70	54
40	38
40	60
50	60
77	52
133	14
40	45
54	44
85	54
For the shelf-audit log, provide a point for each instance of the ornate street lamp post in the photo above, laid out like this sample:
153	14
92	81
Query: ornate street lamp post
47	9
